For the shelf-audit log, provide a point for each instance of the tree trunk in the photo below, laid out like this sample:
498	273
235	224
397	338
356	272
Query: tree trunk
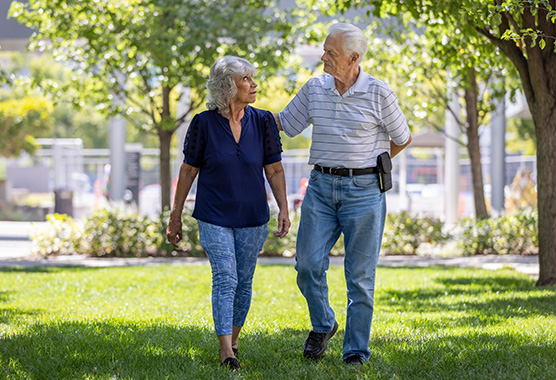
537	70
541	97
545	127
474	148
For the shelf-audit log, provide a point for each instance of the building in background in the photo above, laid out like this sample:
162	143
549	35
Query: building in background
13	36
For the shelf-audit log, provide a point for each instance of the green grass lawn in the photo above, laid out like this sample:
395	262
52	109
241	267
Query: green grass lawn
156	323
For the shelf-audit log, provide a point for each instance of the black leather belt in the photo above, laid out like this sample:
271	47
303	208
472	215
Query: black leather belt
345	172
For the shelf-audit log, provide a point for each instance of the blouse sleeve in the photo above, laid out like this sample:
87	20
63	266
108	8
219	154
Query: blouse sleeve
272	144
194	145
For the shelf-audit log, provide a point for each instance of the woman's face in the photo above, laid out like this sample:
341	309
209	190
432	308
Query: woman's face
246	89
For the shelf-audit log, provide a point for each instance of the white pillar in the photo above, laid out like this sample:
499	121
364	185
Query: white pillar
404	202
181	108
452	169
117	137
60	169
498	156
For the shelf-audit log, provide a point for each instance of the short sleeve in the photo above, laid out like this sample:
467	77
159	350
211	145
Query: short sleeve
393	119
194	145
295	117
271	140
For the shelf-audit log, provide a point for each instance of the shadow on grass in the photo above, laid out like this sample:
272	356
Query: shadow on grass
456	345
109	350
71	350
501	295
31	269
472	355
5	295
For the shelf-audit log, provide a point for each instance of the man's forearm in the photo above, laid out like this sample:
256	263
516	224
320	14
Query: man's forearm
278	123
396	149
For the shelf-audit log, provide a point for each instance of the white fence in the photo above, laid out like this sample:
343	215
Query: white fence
425	187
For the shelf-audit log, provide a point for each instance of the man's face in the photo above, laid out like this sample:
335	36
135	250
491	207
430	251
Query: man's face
336	62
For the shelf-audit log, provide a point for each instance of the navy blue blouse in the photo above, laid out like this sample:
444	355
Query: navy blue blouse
231	188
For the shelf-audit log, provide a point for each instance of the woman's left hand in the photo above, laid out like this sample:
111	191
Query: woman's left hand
283	224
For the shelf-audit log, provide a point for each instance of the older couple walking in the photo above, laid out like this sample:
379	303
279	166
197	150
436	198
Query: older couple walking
356	123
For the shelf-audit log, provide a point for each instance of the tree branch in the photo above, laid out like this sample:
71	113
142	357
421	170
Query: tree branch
441	95
535	57
192	106
515	55
508	19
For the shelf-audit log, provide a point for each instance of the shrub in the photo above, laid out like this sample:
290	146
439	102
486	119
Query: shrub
22	213
404	233
512	234
274	246
190	243
125	233
120	232
60	235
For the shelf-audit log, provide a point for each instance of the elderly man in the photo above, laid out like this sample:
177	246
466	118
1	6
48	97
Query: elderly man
355	119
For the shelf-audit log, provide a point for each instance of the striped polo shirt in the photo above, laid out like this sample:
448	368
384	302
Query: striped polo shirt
351	130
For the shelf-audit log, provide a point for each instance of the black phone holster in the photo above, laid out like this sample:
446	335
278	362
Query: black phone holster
384	165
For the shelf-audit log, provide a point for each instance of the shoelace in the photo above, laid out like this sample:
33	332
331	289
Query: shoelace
315	338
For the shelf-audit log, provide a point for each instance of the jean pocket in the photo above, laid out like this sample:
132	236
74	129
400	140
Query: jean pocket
314	175
365	180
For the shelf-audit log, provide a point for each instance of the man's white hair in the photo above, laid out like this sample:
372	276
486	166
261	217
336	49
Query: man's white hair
354	39
221	84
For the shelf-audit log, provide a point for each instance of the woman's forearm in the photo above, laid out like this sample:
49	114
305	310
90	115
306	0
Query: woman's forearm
185	181
277	181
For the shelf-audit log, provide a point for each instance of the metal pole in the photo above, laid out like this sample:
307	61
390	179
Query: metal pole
498	156
181	108
452	174
117	137
404	202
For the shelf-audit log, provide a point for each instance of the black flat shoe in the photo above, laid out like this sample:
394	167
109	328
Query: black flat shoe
231	363
235	350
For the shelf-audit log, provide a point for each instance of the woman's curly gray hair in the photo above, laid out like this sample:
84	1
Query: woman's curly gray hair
221	84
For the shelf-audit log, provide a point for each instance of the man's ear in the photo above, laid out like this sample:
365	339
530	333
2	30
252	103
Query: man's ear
354	57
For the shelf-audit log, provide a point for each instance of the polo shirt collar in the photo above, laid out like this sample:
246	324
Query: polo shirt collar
361	84
329	83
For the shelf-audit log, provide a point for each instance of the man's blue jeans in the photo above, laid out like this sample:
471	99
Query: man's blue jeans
356	207
232	253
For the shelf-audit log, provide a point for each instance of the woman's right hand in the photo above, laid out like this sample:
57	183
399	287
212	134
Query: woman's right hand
174	232
283	224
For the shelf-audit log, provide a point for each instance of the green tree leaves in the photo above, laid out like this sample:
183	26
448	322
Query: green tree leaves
128	56
20	120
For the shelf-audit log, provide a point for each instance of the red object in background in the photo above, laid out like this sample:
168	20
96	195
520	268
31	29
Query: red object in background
303	183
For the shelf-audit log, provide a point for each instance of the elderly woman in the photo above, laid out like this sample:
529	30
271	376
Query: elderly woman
229	146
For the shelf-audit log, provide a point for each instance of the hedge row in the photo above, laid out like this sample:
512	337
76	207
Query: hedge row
125	233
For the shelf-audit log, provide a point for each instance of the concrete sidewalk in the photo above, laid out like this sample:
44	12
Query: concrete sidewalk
15	250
